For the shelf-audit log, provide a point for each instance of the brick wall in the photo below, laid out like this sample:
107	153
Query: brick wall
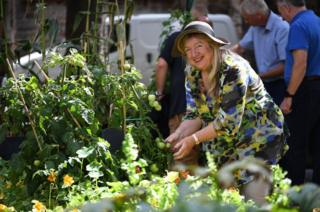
22	18
21	14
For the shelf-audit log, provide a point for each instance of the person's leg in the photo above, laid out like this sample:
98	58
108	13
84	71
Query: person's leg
314	114
315	155
294	162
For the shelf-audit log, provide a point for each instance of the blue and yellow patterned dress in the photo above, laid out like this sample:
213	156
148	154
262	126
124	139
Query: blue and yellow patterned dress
246	120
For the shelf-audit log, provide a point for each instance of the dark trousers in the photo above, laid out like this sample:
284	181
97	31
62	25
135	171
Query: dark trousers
304	126
276	90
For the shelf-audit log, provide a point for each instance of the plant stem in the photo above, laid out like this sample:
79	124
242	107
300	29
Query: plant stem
81	166
42	71
124	112
43	33
122	52
64	74
1	9
138	101
74	119
25	105
50	190
86	41
95	31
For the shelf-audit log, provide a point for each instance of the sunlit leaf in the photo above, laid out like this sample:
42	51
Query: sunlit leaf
84	152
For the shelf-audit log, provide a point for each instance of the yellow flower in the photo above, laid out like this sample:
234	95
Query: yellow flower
75	210
52	176
67	181
3	207
38	206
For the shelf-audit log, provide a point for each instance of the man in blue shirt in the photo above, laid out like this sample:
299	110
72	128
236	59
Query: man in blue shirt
302	97
267	36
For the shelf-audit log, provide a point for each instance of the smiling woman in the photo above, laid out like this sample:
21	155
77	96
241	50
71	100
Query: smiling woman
229	112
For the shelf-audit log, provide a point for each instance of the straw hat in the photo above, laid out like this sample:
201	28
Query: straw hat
196	27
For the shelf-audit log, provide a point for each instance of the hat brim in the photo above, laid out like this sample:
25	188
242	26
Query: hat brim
177	51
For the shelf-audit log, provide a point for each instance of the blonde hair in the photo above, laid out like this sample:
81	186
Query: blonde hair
213	77
214	72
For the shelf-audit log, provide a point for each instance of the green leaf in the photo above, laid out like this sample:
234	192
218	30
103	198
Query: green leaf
94	170
84	152
95	174
134	105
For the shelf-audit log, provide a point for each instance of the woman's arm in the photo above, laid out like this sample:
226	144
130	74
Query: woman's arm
186	128
184	146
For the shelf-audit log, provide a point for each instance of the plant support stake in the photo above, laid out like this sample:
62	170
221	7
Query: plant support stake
24	105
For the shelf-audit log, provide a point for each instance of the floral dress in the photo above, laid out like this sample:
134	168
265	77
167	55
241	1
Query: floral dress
244	116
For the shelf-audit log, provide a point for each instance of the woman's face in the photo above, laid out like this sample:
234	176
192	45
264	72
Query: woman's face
199	53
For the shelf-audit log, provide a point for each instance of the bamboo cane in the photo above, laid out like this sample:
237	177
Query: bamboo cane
25	105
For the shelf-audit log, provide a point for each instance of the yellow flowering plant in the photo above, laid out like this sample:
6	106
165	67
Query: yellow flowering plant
38	206
67	181
52	177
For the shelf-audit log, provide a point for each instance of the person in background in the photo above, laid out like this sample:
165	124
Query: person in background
302	96
229	113
199	12
267	37
174	67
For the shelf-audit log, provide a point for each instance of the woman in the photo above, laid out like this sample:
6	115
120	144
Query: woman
229	111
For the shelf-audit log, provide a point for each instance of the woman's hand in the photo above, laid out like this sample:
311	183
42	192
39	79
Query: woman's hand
183	148
173	139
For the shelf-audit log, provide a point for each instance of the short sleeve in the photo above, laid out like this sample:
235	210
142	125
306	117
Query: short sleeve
166	50
282	40
230	113
299	39
247	40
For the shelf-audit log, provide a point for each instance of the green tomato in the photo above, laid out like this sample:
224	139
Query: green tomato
36	163
151	103
151	98
154	168
158	139
126	66
168	145
156	104
161	145
158	108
